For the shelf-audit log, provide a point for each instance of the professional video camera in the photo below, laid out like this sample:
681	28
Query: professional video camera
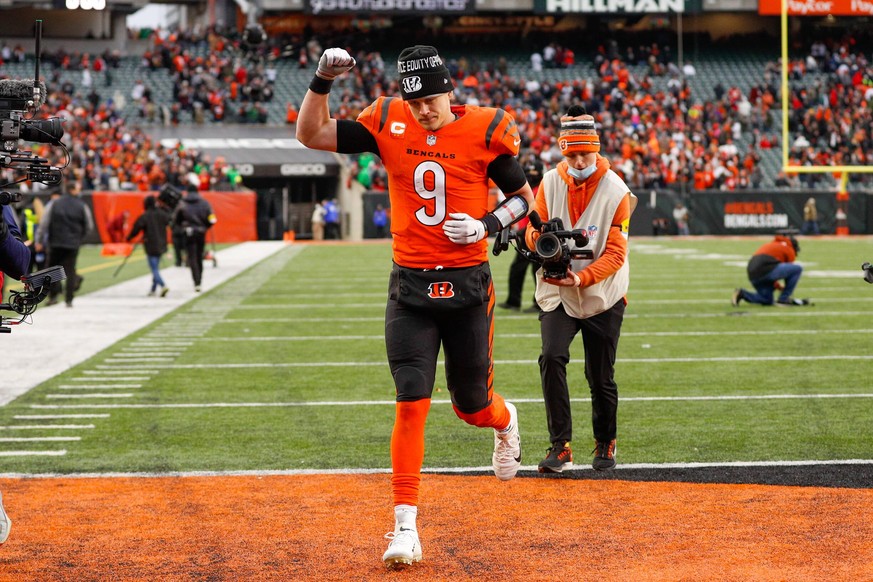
170	196
36	288
868	272
552	252
17	98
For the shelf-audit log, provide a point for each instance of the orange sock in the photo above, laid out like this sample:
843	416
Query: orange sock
407	450
495	415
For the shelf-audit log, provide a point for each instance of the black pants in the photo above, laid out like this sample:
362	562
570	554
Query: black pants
194	245
67	259
517	272
178	246
600	337
413	338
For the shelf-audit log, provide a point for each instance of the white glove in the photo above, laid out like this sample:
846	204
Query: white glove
464	229
333	63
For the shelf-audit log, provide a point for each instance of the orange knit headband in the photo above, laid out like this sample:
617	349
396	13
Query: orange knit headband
578	135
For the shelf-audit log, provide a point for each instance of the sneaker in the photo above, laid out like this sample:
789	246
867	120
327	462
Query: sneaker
507	448
404	549
5	523
604	455
197	288
506	305
532	309
792	301
151	293
164	291
737	297
558	457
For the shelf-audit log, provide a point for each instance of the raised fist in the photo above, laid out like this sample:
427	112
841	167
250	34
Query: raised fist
333	63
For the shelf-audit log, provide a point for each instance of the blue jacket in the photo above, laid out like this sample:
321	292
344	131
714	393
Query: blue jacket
14	254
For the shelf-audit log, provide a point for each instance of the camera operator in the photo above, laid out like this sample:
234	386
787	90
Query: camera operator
15	262
586	194
195	216
14	254
772	264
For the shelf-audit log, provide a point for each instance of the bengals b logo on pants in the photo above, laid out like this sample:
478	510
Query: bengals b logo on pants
441	290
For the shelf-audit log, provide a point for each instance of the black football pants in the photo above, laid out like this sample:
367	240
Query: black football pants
600	338
413	338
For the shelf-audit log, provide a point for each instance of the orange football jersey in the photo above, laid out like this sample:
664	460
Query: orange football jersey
432	174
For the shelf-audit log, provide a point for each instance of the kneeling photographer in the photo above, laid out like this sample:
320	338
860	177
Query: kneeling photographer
584	295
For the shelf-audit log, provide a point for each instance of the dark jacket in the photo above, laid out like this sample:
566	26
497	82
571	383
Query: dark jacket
153	225
194	213
14	254
68	220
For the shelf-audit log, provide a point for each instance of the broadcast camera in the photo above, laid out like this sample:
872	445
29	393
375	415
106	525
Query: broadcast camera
169	196
17	98
552	252
868	272
36	288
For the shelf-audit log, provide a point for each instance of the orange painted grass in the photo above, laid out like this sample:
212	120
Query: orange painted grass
331	528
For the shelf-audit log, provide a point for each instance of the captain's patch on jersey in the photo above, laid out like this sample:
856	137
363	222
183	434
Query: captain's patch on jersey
625	225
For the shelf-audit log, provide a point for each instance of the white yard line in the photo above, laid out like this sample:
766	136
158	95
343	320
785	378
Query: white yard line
626	399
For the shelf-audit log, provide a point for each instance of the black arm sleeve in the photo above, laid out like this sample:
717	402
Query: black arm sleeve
507	173
353	138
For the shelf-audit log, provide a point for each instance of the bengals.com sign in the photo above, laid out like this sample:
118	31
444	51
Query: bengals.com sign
818	7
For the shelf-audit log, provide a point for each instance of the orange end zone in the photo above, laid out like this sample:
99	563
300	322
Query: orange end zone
331	527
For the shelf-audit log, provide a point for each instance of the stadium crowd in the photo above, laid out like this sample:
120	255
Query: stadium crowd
656	134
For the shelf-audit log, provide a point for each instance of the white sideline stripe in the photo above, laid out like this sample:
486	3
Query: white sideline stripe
110	372
57	416
131	352
60	453
38	439
45	426
112	379
135	359
57	396
384	470
511	362
392	402
97	386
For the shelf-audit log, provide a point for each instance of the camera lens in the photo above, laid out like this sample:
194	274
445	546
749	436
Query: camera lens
548	246
42	130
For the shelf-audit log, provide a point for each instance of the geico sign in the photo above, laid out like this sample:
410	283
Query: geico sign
302	169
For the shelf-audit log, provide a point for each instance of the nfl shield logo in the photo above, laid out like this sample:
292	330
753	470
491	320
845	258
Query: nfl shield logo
431	140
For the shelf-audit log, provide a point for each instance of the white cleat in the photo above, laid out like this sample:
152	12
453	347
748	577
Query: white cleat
5	523
404	549
507	448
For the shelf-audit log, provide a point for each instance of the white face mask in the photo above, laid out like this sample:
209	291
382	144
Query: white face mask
582	174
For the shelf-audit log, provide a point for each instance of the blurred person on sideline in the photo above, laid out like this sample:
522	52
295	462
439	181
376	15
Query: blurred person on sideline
153	223
332	220
772	268
585	194
681	218
66	222
116	227
439	159
533	170
318	221
810	218
380	220
195	216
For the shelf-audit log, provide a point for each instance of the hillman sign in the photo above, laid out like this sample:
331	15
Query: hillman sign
609	6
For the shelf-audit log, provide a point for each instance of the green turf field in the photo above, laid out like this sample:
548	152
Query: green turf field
284	368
